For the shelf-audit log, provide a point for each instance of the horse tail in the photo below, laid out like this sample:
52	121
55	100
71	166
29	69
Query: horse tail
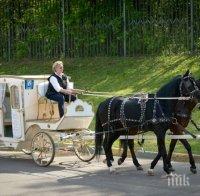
98	134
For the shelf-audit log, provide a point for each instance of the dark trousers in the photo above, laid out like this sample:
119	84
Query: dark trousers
60	98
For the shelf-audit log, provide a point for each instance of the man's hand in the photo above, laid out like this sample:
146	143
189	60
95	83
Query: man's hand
69	91
78	91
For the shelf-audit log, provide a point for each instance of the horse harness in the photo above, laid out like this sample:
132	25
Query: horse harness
142	102
141	121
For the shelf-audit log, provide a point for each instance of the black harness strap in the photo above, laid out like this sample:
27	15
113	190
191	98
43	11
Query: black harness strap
186	131
192	121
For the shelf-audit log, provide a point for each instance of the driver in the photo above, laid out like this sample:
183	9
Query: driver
57	88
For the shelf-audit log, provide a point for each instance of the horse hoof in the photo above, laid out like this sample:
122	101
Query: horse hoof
139	168
119	161
193	170
150	172
112	170
171	169
105	161
170	175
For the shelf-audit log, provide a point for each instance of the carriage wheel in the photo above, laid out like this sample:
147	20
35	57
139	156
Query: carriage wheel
43	149
84	145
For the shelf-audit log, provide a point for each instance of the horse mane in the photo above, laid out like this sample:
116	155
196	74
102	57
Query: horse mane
171	89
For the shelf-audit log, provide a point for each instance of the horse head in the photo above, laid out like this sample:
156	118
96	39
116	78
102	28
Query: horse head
189	86
196	93
183	109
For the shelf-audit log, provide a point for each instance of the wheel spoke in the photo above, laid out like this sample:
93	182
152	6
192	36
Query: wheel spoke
83	145
43	149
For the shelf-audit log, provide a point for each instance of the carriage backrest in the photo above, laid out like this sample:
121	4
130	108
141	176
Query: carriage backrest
42	88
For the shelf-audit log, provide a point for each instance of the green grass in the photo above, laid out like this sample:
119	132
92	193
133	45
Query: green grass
118	76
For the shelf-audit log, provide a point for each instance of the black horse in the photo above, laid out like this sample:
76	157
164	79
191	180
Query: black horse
119	116
182	113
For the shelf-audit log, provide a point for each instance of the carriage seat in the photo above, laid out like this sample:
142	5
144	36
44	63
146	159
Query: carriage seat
48	109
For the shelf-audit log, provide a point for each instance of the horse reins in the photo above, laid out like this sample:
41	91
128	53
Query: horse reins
108	94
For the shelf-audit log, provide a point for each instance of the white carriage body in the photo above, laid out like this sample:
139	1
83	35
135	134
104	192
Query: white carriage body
23	108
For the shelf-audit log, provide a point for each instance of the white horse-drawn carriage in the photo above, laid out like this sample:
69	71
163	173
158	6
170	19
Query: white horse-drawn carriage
31	123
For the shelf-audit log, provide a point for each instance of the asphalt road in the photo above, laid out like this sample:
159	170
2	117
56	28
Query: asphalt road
19	175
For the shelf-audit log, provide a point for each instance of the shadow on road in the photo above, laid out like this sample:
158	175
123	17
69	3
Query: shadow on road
17	165
68	176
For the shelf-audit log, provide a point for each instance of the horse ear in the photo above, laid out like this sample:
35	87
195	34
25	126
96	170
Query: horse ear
186	73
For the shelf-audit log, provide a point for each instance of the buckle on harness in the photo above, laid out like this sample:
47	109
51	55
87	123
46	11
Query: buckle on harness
174	121
154	120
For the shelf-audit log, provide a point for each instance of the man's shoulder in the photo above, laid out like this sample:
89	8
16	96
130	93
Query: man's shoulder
52	79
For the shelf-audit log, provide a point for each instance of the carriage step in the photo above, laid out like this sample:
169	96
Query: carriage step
67	136
65	147
69	148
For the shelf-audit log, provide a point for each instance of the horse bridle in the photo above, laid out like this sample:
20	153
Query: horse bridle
186	85
190	93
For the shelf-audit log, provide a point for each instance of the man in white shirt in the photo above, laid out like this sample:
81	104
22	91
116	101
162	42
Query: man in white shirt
57	89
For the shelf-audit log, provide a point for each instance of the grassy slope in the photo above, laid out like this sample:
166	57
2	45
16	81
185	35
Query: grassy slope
117	75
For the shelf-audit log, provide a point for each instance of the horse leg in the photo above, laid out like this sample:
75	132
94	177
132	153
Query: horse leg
110	153
106	150
162	150
155	161
124	153
111	158
169	156
159	155
191	158
107	145
153	164
135	161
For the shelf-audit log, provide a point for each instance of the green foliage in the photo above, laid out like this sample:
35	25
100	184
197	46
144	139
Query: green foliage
21	50
95	28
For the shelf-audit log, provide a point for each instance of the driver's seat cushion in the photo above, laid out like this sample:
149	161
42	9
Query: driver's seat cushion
47	109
